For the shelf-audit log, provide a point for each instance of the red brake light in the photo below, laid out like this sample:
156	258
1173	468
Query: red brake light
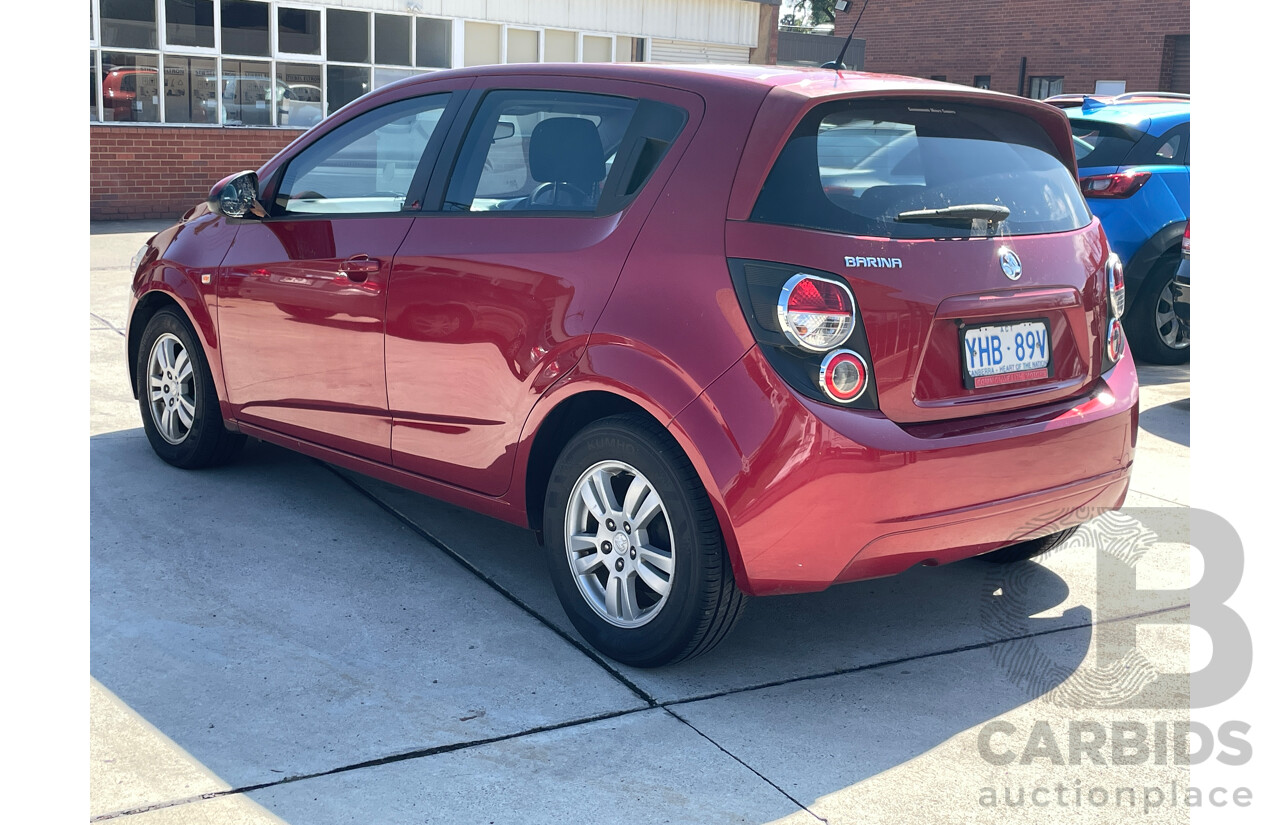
1186	241
1115	284
815	314
843	375
1115	340
1118	185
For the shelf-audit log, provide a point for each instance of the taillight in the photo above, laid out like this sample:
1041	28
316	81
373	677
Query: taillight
843	375
1115	340
1118	185
815	314
1115	284
1186	241
807	327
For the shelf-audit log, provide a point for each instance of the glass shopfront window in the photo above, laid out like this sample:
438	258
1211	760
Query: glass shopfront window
246	28
348	36
247	95
188	23
129	24
346	83
302	86
298	30
130	87
291	62
392	39
190	89
435	43
94	85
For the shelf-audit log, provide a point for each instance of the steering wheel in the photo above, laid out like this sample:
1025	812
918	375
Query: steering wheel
538	196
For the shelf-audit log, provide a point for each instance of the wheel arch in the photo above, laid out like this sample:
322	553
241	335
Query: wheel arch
1162	243
570	412
170	289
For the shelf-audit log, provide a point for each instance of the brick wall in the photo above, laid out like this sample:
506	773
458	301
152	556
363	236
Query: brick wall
1080	40
161	172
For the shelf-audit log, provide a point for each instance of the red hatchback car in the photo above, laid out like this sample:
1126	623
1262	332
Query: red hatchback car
709	331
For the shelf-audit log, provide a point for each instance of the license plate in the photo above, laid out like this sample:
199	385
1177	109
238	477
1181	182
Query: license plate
996	354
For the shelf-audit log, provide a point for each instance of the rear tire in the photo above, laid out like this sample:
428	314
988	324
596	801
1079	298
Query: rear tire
1155	332
178	400
1028	549
634	547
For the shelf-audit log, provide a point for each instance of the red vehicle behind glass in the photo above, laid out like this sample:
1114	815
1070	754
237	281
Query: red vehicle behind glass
709	332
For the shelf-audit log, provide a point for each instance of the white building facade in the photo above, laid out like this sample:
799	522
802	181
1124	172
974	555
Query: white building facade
288	63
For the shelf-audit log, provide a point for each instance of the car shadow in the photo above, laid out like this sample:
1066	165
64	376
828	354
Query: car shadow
1170	421
275	621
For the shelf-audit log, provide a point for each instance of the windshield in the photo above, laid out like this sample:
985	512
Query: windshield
920	169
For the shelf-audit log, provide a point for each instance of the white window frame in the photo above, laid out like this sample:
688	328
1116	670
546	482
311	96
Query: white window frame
272	103
373	38
95	30
193	51
613	45
159	57
535	29
453	40
324	83
271	37
296	57
164	113
324	47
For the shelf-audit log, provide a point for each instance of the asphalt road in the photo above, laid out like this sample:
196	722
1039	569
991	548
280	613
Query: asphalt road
279	640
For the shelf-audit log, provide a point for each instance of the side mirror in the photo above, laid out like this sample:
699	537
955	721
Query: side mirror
236	196
505	129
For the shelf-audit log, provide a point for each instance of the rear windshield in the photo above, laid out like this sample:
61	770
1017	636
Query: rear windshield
1102	144
862	168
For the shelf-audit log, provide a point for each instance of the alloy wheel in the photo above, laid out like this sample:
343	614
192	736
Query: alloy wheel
172	387
1168	325
619	544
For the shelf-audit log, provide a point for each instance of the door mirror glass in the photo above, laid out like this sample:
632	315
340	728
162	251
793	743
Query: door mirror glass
236	196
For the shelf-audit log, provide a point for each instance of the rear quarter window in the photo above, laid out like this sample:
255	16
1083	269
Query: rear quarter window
856	167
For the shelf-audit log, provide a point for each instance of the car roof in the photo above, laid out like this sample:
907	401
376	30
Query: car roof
806	81
1147	117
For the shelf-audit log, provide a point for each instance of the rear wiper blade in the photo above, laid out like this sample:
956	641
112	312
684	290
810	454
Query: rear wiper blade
989	212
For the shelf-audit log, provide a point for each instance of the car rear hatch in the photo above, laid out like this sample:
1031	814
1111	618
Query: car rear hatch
978	275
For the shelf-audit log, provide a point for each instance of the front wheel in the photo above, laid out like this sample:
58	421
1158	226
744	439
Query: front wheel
634	547
177	397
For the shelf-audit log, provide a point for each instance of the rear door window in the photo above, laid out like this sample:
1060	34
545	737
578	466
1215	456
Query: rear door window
553	152
539	151
876	168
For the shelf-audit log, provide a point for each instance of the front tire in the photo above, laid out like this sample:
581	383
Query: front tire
1154	330
177	397
634	547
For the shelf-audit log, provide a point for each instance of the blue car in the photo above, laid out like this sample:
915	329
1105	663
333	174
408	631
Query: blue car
1135	171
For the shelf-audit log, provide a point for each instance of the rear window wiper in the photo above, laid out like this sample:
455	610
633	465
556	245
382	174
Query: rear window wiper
992	213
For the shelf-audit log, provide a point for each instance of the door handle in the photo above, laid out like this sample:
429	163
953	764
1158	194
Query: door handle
359	267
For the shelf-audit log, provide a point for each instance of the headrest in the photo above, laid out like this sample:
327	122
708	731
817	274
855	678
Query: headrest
566	150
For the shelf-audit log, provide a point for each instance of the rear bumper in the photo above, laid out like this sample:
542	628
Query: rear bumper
811	495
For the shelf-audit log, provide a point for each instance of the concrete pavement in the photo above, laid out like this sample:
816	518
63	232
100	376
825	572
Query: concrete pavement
280	640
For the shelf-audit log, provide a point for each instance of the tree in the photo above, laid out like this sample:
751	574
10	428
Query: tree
815	12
